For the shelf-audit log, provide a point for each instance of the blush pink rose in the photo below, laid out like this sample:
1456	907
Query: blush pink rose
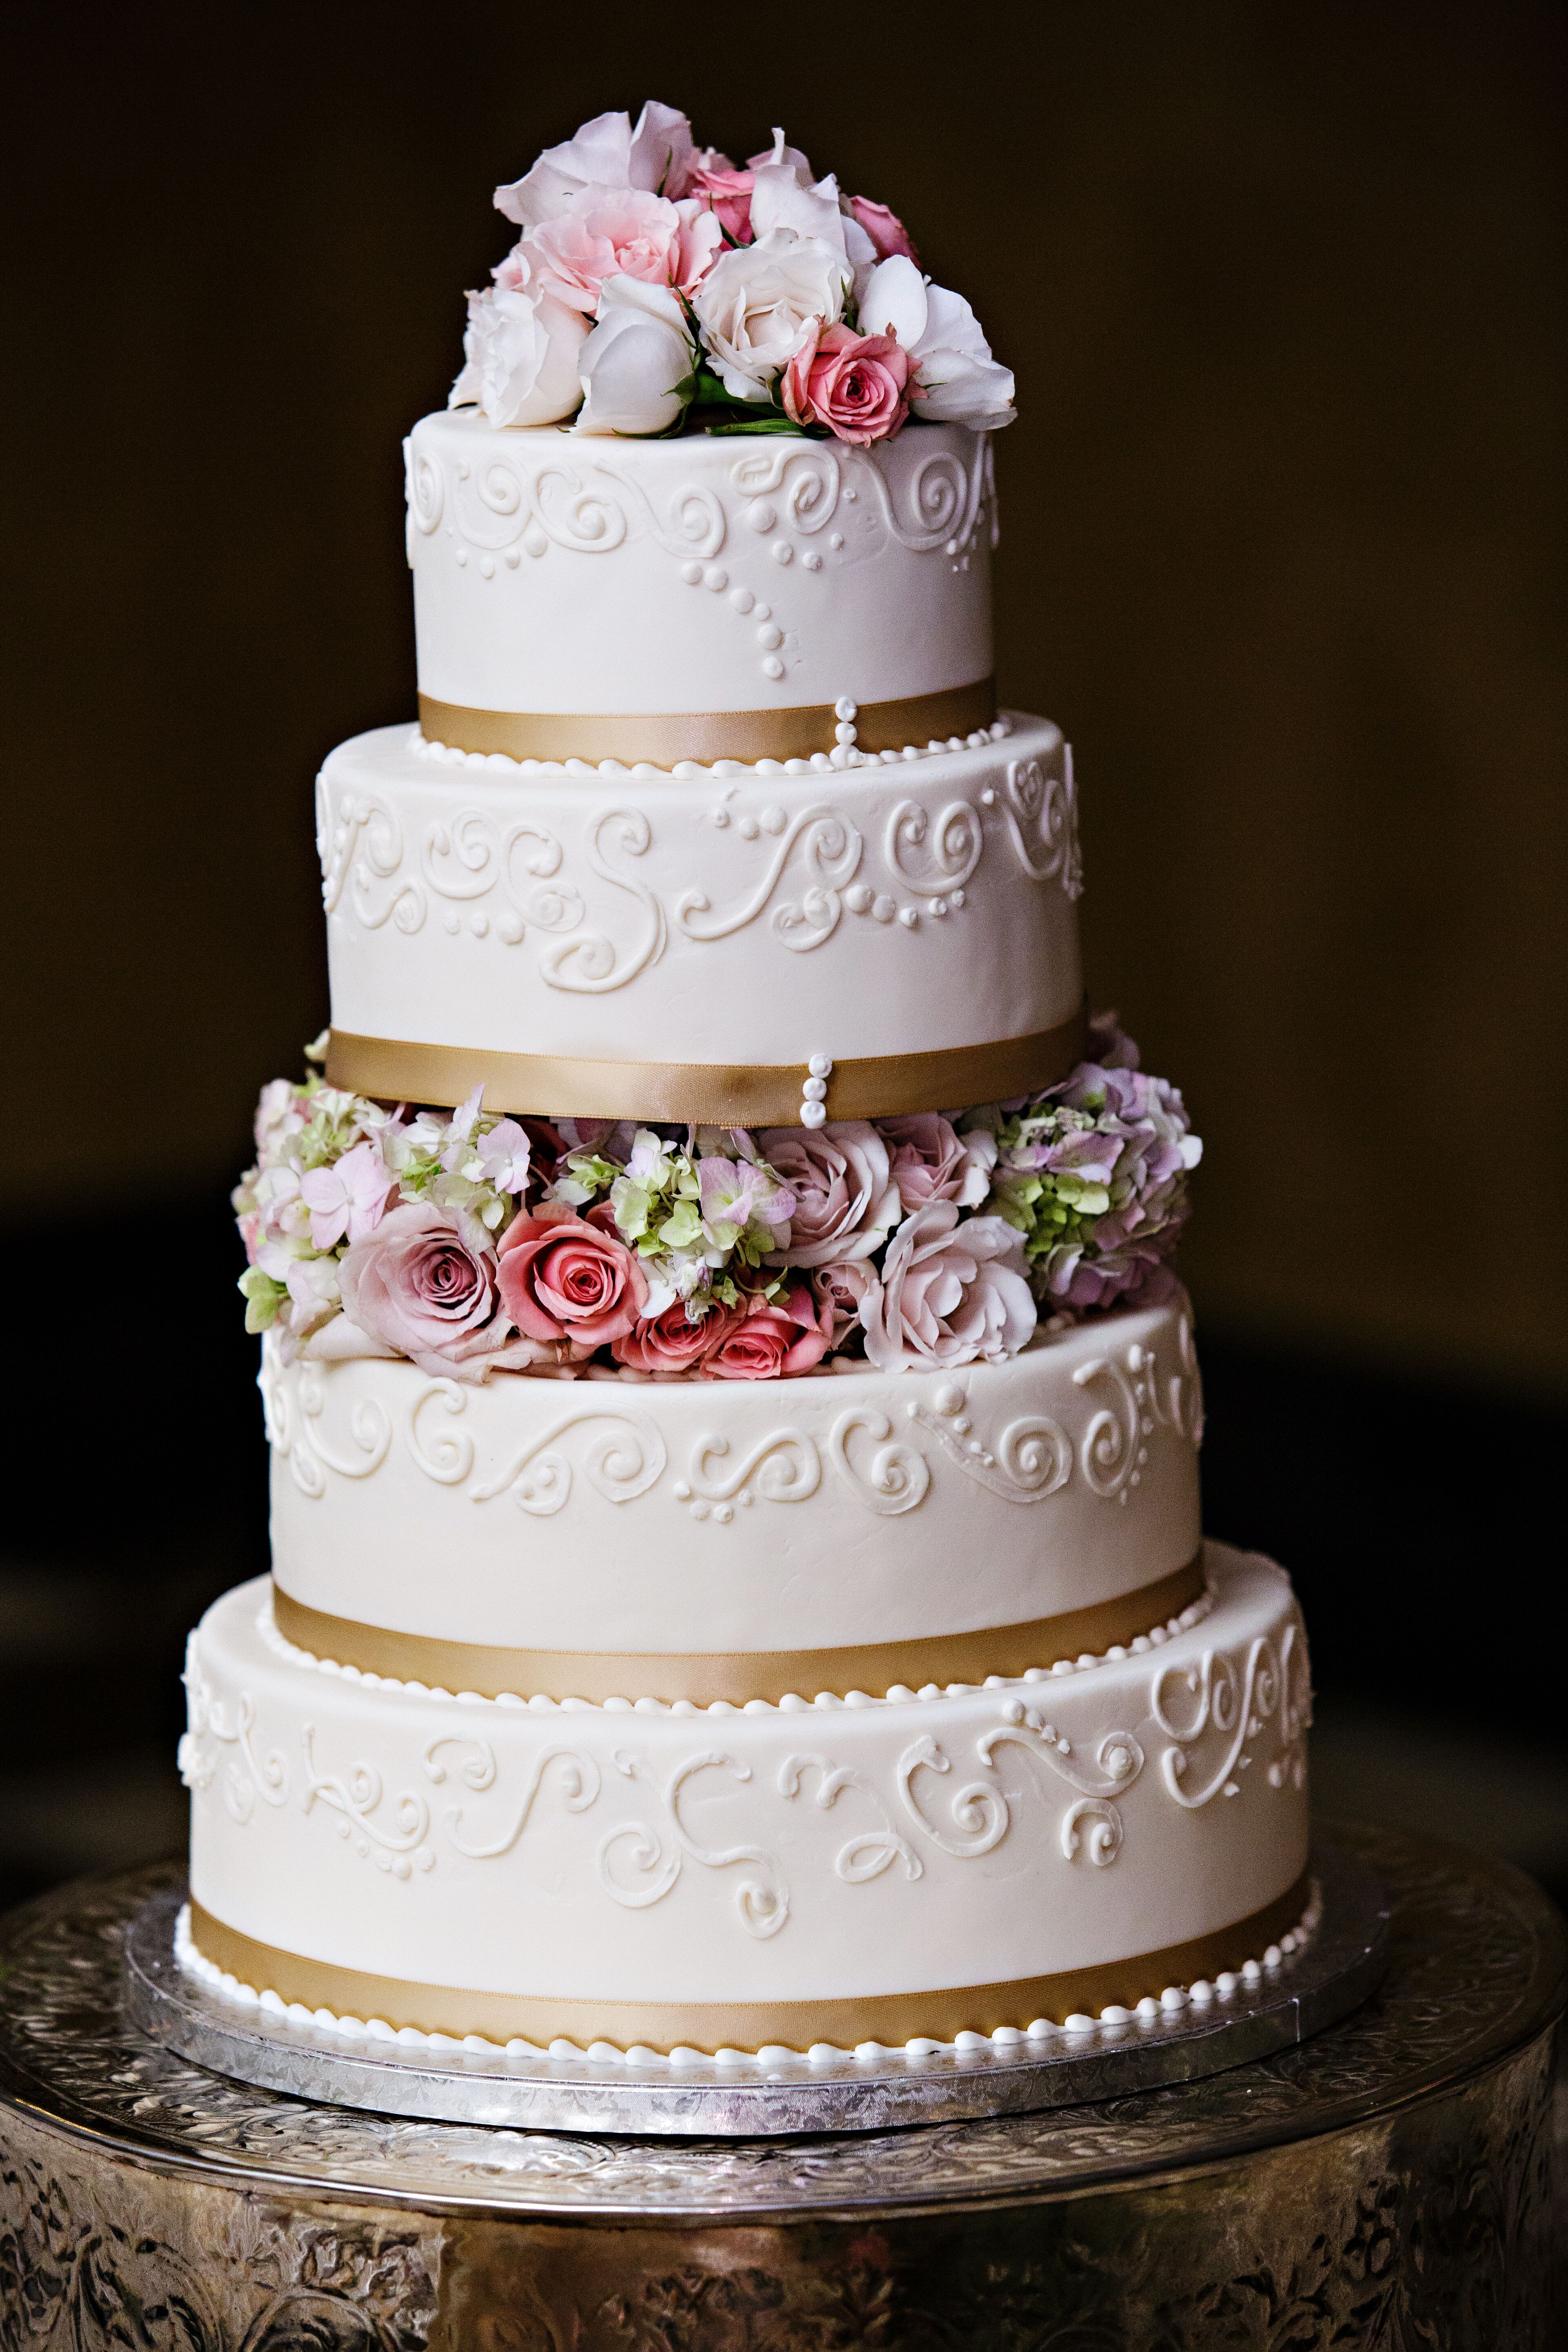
667	1342
618	233
424	1282
933	1162
727	193
568	1277
840	1288
769	1340
885	229
948	1292
857	385
845	1196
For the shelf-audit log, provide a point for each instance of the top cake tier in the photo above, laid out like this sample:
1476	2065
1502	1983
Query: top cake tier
716	596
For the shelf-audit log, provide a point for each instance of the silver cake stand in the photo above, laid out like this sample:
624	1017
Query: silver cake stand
1307	1989
1385	2183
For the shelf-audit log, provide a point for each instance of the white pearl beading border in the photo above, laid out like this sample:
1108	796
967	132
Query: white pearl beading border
1077	2032
844	754
792	1703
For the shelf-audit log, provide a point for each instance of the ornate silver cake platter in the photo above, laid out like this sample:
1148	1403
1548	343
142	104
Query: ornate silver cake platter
1301	1992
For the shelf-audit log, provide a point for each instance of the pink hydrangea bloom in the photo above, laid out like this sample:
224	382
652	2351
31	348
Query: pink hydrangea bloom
349	1197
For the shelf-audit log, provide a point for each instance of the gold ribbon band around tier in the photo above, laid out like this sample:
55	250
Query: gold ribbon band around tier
703	1678
706	1093
659	739
889	2017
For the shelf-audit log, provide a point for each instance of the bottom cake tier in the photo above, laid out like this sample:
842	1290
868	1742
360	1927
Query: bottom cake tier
668	1877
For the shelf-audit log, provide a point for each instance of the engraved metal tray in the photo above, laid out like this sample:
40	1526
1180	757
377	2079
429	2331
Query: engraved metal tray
1309	1988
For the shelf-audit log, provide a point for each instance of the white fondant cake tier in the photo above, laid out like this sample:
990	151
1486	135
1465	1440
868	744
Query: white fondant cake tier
742	917
705	574
601	1874
627	1515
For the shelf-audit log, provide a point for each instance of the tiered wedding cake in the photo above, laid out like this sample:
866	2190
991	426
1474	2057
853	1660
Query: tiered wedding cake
737	1571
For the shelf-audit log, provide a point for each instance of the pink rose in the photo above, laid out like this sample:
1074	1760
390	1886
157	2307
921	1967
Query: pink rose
857	385
424	1282
568	1277
841	1287
845	1197
713	179
618	233
932	1162
769	1340
668	1342
885	229
948	1292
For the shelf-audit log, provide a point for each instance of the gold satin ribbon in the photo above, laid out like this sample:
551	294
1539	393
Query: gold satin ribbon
707	1094
890	2018
660	738
874	1667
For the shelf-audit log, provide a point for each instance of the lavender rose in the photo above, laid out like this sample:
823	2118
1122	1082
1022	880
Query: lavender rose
931	1161
948	1292
424	1282
845	1196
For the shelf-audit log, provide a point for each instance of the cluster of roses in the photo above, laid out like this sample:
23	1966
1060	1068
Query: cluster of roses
473	1244
656	286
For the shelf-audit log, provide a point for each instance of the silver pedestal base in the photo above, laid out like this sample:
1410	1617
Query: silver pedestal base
1310	1990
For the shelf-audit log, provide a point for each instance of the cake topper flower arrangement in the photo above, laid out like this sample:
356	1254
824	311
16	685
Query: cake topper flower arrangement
657	287
474	1243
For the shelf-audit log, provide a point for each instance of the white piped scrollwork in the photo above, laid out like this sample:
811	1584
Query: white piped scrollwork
363	865
296	1435
355	1796
1118	1761
696	524
1104	1835
939	505
621	1460
870	1852
1041	810
1234	1701
587	962
1111	1451
763	1903
447	1456
897	1477
1030	1461
786	1467
952	847
830	851
580	1787
979	1808
466	860
809	479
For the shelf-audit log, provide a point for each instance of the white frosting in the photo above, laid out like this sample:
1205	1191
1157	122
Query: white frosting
706	1516
561	574
1009	2041
727	915
992	1836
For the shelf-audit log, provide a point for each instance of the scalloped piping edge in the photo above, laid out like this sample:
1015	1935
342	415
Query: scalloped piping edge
425	746
1007	2041
791	1703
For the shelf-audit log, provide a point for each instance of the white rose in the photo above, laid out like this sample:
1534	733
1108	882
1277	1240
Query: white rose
638	363
959	382
785	195
760	302
606	152
520	356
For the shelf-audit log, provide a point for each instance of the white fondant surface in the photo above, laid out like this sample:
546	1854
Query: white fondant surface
728	915
833	1850
562	574
713	1515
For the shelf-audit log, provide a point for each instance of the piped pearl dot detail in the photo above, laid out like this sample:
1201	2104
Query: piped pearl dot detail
812	560
773	666
813	1114
908	917
816	1090
782	551
769	635
741	599
762	516
692	575
820	1066
716	578
884	909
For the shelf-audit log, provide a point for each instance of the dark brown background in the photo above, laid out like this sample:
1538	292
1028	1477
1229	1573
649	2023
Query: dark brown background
1282	549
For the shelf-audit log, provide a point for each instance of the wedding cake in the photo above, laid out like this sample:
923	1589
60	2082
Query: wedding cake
737	1578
